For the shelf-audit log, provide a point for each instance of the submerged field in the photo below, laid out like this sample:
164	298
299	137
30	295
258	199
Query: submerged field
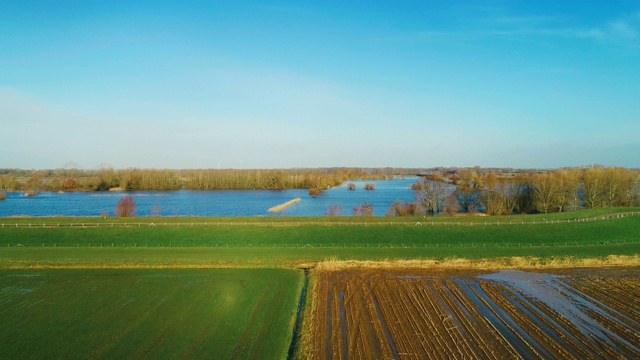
147	314
418	314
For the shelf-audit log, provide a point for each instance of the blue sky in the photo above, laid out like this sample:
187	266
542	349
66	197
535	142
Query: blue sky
242	84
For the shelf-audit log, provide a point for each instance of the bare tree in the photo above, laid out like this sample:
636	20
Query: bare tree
155	210
620	183
567	180
451	206
364	209
629	187
126	207
522	191
334	210
494	196
593	187
432	192
545	192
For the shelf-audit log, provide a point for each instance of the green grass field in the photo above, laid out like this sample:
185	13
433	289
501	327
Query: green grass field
153	292
592	232
147	313
259	246
239	220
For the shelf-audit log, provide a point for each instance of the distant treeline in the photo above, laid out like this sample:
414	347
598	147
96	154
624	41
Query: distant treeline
473	190
197	179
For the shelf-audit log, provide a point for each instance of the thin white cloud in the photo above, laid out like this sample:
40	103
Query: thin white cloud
625	29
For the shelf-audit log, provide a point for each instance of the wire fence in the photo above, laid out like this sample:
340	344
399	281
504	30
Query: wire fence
425	222
331	245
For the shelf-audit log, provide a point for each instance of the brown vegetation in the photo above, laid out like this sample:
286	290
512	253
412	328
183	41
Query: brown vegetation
432	191
284	206
334	210
126	207
70	184
499	263
364	209
200	179
400	208
439	313
3	195
533	192
30	192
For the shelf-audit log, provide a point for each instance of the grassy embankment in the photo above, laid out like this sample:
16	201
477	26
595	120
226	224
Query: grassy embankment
292	220
260	246
150	314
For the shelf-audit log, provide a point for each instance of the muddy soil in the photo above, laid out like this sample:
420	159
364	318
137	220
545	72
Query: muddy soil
445	314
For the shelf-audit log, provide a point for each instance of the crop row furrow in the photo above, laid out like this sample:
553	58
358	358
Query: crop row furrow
369	324
404	322
426	313
625	339
321	343
525	327
385	306
602	334
545	331
580	341
359	322
419	318
442	322
477	345
499	344
559	327
614	294
509	325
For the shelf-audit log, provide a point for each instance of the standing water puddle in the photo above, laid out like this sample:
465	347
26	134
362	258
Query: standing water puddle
561	298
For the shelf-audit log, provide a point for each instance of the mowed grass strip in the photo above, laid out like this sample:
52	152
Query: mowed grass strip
625	229
292	220
147	314
178	258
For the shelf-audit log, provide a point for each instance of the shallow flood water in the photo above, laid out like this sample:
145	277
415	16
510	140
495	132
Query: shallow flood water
561	297
211	202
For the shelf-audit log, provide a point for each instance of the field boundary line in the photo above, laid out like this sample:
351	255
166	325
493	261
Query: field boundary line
426	222
407	245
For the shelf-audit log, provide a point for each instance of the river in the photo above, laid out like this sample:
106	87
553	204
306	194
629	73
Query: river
211	202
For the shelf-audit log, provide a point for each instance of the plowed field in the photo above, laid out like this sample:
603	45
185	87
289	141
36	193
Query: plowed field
444	314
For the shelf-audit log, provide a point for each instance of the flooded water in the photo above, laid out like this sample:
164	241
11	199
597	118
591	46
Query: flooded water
565	300
212	202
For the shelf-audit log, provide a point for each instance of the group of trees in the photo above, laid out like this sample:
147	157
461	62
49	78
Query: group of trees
199	179
400	208
470	190
364	209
